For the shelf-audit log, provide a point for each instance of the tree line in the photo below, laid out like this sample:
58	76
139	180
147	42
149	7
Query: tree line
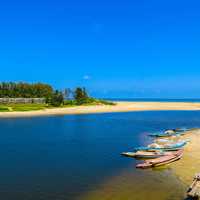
41	90
25	90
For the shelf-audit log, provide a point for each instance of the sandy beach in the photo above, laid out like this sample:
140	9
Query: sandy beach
189	165
119	107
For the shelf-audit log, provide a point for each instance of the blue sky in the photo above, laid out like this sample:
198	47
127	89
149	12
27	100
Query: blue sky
115	48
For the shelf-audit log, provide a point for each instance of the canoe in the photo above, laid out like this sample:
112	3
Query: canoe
146	154
194	190
168	143
165	141
161	160
181	129
165	134
168	147
170	132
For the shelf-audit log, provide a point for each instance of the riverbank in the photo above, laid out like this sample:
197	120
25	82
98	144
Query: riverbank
119	107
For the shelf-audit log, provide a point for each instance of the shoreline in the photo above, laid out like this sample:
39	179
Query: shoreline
189	164
119	107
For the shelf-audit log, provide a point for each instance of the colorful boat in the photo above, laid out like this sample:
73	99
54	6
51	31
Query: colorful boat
167	147
165	141
170	132
147	154
161	160
165	134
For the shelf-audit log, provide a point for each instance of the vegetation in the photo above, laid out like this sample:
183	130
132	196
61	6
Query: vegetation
4	108
22	107
81	97
89	101
57	99
25	90
53	98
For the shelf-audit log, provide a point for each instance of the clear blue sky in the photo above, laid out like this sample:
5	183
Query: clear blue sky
129	48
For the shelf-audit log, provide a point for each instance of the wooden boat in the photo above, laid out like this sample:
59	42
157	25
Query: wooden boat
170	132
167	147
146	154
165	134
161	161
165	141
194	190
169	140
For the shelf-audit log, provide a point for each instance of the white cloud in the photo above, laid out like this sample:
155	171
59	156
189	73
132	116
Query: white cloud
86	77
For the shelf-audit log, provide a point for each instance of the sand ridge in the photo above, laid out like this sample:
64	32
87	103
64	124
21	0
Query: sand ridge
119	107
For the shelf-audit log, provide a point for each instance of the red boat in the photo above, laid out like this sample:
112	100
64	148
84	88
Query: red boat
162	160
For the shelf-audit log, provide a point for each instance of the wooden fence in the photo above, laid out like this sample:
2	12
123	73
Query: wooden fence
22	100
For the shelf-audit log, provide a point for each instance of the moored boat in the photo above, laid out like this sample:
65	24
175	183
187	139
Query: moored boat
170	132
167	147
161	160
165	134
146	154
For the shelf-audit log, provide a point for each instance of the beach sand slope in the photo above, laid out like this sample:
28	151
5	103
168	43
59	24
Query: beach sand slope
119	107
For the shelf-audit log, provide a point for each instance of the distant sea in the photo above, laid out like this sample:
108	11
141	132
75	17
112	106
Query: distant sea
153	100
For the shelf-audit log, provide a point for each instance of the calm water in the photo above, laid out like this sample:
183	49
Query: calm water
196	100
77	157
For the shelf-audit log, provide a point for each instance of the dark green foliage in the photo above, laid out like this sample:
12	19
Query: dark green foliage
25	90
69	102
57	99
80	95
107	102
53	98
87	101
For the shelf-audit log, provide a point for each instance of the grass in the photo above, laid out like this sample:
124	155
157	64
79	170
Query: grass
34	107
4	108
22	107
87	102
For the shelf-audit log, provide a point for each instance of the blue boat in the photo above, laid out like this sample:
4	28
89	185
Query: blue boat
167	133
172	147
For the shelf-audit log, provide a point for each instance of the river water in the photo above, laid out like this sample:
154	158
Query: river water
77	157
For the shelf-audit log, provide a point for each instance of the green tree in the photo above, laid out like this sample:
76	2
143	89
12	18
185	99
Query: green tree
80	95
57	99
25	90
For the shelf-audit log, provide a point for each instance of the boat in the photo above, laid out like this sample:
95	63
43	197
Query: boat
161	160
177	130
194	189
170	132
167	141
166	147
181	129
165	134
146	154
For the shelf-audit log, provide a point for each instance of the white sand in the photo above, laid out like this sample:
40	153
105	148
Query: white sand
120	107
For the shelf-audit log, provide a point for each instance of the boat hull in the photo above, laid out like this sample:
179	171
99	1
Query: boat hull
173	147
146	154
161	161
